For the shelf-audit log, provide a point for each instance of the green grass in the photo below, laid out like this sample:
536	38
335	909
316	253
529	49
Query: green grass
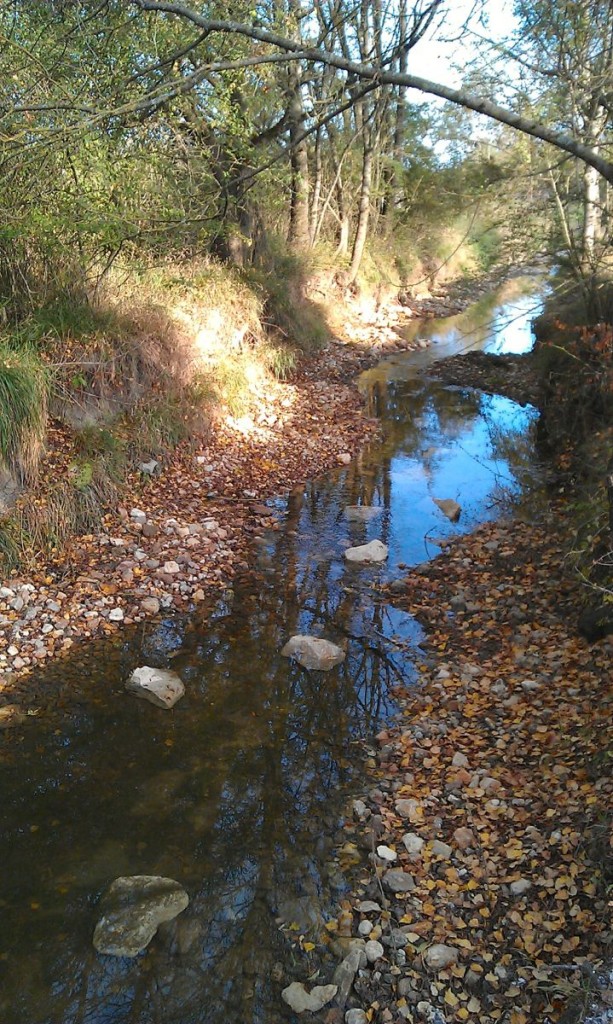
24	385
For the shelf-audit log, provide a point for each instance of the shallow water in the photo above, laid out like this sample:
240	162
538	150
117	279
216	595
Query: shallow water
236	793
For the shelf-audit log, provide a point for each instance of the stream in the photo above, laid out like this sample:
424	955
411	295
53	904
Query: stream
238	792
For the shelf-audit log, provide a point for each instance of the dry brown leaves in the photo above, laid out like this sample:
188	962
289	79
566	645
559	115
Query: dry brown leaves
507	749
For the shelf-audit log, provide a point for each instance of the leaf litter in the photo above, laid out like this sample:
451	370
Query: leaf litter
494	789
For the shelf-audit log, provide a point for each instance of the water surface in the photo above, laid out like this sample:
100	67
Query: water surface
236	793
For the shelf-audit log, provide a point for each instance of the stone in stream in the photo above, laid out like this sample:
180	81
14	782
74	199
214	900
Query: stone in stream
133	907
297	997
362	513
156	685
313	653
375	551
449	508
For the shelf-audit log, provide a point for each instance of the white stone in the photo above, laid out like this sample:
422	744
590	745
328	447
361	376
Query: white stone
313	653
414	844
385	853
440	956
521	886
133	907
449	508
116	615
137	513
365	928
376	551
374	950
356	1016
156	685
171	568
299	1000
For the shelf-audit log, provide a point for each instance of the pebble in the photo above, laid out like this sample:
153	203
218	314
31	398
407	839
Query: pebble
398	880
519	887
459	760
116	615
374	951
409	809
385	853
463	838
440	849
356	1016
440	956
413	843
368	907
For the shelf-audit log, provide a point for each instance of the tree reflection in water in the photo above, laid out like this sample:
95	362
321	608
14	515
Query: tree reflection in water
235	793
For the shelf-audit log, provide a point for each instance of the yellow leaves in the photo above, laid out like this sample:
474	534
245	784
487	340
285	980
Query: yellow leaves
451	999
518	1017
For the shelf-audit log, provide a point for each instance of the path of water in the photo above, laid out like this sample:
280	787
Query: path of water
237	791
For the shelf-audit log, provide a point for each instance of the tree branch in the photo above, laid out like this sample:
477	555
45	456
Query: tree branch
380	76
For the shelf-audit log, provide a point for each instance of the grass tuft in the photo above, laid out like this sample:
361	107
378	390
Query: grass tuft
24	384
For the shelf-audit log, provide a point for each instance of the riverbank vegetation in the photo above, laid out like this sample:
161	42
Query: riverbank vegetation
192	205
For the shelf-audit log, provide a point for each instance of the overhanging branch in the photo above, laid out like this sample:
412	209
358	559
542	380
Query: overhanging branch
381	76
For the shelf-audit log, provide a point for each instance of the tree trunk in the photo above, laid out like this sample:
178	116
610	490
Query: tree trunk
299	230
317	183
361	233
592	227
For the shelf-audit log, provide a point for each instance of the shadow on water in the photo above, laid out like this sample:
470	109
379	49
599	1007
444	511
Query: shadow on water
235	793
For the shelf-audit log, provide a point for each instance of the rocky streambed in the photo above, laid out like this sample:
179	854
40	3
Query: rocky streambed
234	794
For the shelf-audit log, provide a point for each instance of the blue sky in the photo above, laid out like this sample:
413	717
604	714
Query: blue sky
435	56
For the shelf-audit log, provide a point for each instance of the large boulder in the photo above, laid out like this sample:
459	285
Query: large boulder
376	551
157	685
133	907
313	653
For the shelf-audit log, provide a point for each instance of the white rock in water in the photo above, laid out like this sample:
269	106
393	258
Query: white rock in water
133	907
313	653
156	685
297	997
449	507
362	513
440	956
376	551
